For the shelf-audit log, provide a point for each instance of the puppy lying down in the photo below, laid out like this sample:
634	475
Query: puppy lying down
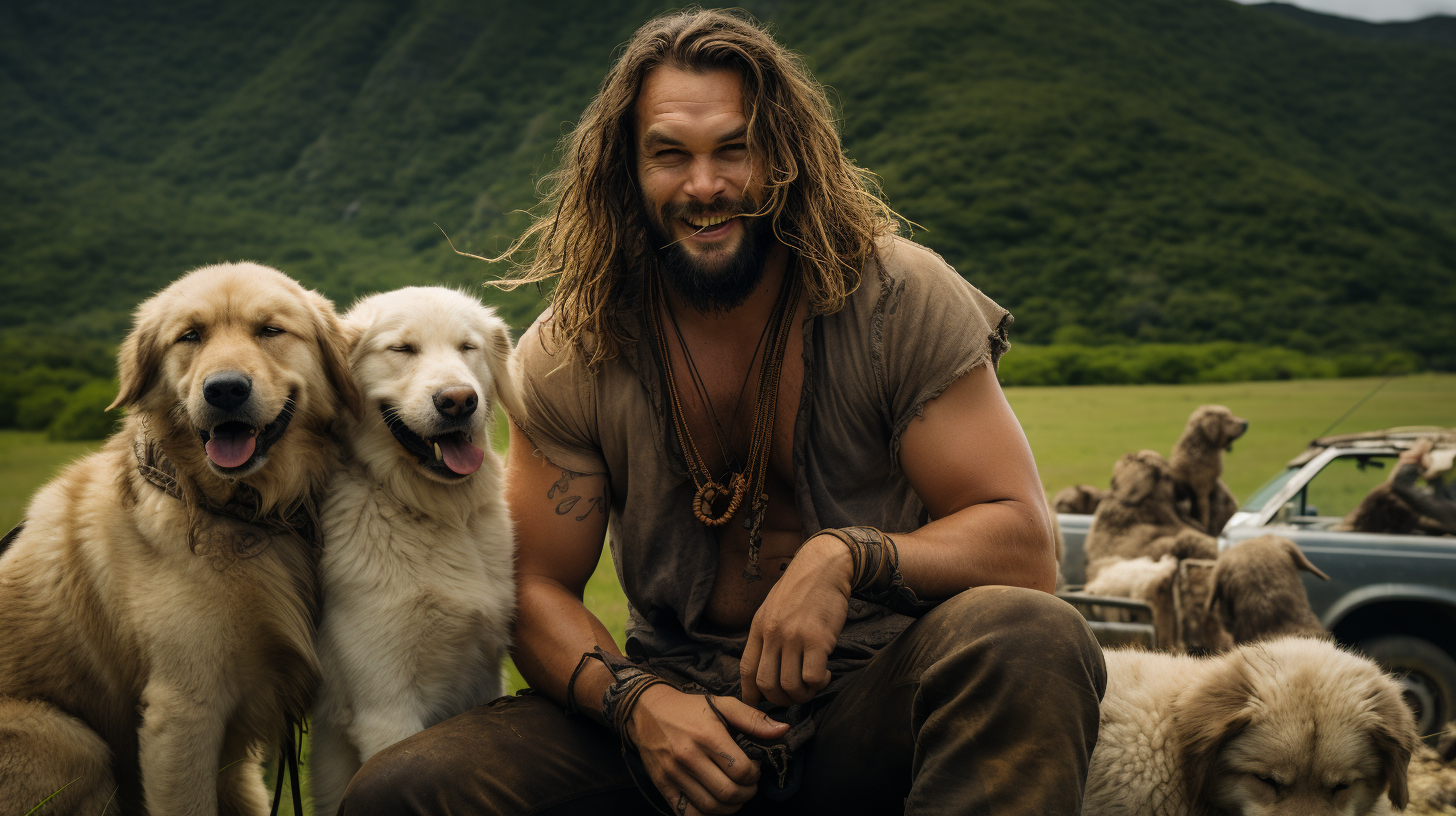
418	555
1290	726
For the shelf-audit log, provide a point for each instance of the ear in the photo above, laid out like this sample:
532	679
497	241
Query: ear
334	344
498	359
1205	717
1300	560
137	360
1393	731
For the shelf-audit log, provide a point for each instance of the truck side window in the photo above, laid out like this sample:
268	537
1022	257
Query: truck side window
1340	485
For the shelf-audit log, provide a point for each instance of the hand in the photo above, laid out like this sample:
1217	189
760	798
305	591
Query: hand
1416	453
793	632
690	756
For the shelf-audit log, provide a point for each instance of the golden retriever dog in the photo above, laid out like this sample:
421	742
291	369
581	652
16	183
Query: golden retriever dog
158	605
1292	726
1138	517
1197	461
418	557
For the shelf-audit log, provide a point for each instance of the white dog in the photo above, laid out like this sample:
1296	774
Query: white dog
418	556
1292	727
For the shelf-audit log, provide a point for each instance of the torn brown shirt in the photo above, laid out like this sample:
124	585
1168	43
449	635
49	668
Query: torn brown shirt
911	329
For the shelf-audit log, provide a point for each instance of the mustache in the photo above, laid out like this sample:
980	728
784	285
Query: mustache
742	208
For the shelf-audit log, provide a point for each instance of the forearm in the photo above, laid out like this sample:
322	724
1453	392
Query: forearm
553	630
1427	502
1005	542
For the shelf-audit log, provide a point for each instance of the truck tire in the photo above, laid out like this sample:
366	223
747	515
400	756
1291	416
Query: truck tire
1427	675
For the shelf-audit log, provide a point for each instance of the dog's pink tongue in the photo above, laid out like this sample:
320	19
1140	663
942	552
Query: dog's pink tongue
230	450
460	456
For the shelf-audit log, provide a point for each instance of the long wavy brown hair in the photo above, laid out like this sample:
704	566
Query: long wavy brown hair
593	235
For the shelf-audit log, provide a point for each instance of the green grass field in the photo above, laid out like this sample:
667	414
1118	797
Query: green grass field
1075	432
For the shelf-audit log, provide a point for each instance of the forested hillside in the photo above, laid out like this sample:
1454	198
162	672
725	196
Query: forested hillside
1145	171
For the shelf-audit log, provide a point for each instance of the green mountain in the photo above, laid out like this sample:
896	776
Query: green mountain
1145	171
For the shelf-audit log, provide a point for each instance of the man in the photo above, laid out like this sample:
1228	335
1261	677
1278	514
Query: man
1434	506
751	377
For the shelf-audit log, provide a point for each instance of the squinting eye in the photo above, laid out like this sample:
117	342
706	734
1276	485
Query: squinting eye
190	337
403	349
270	331
466	347
1270	781
1340	787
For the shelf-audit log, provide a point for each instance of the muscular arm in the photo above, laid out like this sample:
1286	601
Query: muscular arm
969	463
560	521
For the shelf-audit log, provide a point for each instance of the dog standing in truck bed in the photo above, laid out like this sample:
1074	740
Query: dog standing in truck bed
418	558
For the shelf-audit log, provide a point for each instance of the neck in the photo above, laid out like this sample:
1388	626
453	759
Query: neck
745	319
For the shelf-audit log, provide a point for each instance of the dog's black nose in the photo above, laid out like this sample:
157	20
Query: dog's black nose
227	390
458	401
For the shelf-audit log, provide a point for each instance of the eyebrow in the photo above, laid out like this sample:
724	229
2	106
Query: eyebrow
655	136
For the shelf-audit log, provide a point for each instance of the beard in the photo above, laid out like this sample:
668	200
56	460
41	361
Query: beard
723	284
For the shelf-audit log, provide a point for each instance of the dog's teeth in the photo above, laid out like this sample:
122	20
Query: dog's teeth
439	456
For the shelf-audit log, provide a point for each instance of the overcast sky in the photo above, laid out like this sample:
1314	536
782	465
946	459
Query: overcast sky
1376	11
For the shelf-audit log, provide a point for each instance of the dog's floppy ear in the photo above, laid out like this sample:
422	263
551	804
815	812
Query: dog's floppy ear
1393	730
334	344
138	359
1205	717
498	359
1300	560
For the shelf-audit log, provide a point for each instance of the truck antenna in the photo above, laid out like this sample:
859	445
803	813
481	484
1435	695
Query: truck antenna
1355	407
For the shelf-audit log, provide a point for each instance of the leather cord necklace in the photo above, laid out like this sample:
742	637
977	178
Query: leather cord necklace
752	479
724	438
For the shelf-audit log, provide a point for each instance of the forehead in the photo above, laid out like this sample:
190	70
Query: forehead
673	102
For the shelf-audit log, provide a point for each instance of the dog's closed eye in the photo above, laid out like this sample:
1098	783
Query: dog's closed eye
1271	782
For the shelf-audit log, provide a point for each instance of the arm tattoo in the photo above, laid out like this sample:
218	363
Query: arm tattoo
562	488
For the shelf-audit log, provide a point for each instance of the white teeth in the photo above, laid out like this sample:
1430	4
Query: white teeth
438	455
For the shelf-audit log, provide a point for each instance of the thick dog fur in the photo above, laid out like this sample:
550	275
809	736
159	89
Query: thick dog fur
1292	726
1178	592
151	650
418	559
1138	517
1197	462
1257	592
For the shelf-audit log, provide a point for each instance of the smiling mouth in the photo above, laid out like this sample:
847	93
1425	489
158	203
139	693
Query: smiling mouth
449	455
234	446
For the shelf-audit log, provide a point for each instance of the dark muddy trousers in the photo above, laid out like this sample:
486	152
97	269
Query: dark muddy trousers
987	705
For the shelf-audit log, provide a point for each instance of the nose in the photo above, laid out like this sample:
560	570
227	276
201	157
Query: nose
457	401
227	390
704	182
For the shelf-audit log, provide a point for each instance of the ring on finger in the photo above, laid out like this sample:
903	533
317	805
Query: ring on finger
682	804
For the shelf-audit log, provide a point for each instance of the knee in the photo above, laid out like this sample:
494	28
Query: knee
1012	626
389	783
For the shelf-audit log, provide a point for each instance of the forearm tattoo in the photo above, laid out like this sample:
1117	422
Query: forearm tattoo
567	500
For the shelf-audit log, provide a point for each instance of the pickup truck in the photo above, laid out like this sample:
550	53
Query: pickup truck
1390	596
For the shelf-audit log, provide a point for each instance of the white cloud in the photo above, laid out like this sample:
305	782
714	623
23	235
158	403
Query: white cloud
1377	11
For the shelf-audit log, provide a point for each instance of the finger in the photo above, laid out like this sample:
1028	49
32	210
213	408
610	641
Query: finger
767	676
791	676
748	666
702	796
816	671
749	720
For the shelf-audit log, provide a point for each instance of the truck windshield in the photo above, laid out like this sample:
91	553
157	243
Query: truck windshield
1257	501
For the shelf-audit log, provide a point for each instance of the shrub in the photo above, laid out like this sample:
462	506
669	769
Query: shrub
85	416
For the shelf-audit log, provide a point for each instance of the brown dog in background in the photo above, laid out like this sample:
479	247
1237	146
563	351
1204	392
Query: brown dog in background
1197	461
158	605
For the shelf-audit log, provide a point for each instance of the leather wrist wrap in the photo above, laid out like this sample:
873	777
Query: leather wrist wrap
876	577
